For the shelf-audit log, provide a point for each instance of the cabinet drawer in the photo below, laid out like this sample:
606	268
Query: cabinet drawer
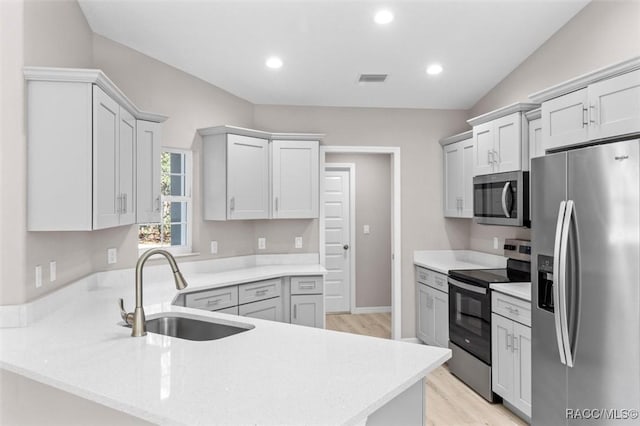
213	300
440	282
260	290
424	276
511	307
306	285
232	310
265	309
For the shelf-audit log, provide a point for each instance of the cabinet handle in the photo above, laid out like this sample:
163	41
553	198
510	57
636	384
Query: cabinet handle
507	341
585	120
496	156
158	203
489	155
119	209
295	311
307	286
261	292
592	117
232	203
124	197
513	343
276	203
213	302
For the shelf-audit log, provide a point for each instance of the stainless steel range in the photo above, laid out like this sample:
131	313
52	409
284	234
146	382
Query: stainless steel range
470	315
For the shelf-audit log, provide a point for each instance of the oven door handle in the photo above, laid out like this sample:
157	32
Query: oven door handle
468	287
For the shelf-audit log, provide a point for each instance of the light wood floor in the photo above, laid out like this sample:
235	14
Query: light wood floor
449	401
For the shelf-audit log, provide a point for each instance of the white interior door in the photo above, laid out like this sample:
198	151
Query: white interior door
337	216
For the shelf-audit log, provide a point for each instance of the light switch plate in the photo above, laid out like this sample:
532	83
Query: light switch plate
298	242
214	247
38	276
262	243
496	243
366	229
112	256
52	271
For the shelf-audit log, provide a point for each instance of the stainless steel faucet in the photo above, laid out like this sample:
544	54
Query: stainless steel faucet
136	319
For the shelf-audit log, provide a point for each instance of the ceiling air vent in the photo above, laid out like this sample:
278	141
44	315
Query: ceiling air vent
372	78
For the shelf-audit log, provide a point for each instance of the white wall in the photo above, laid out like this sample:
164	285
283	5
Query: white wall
416	132
373	182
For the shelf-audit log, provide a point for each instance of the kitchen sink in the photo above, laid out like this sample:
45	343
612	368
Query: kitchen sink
192	327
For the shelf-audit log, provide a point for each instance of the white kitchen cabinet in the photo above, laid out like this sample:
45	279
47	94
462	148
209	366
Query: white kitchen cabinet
250	174
500	140
511	352
432	310
295	179
307	309
534	125
269	309
599	105
81	151
148	149
458	178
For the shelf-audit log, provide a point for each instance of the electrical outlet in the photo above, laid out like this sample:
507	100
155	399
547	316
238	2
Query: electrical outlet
262	243
366	229
52	271
496	243
38	276
112	256
214	247
298	242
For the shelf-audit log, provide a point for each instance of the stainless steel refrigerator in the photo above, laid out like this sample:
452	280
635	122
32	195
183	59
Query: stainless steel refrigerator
586	286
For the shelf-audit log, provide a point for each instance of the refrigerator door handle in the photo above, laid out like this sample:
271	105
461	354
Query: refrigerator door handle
505	210
564	322
557	277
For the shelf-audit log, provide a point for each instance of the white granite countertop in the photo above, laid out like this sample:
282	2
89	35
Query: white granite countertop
519	290
273	374
445	260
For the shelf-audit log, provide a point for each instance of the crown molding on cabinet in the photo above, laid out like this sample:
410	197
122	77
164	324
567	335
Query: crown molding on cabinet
501	112
456	138
218	130
92	76
533	114
585	80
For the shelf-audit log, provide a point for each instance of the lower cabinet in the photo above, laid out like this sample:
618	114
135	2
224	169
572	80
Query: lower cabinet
511	361
432	315
270	309
307	310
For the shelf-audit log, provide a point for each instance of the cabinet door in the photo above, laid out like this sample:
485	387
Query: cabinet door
148	148
270	309
564	120
441	313
536	148
508	143
106	190
423	309
467	179
247	177
522	368
502	356
452	179
127	167
483	157
295	179
614	106
307	310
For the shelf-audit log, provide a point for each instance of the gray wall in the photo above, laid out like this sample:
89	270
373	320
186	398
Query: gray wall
373	207
416	132
603	33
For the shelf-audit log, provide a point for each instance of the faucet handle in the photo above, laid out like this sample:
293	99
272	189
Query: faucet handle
126	316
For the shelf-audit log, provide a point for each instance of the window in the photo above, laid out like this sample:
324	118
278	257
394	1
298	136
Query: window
174	232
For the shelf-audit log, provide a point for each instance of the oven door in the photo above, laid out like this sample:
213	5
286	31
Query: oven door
470	318
501	199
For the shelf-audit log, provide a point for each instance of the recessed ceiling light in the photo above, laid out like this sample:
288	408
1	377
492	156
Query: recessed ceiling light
383	17
434	69
274	62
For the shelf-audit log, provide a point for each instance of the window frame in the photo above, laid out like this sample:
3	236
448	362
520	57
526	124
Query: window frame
187	198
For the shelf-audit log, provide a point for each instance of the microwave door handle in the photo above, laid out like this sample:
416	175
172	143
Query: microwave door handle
564	322
557	277
505	190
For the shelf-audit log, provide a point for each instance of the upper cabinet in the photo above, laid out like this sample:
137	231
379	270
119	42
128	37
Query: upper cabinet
148	152
249	174
534	123
599	105
500	140
458	175
81	151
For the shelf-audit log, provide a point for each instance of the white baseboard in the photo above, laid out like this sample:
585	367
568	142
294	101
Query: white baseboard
371	310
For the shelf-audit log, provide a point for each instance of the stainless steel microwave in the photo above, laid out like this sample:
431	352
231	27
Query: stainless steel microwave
502	199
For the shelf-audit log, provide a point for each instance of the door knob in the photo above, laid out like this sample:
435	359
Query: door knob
346	246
